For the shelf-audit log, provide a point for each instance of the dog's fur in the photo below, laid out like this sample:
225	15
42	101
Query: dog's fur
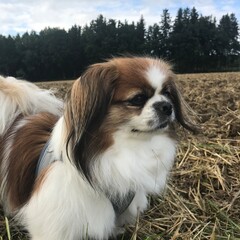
112	137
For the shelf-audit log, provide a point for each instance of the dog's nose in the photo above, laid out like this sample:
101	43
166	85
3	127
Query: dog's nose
163	108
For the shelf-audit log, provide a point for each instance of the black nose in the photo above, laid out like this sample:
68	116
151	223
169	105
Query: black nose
163	108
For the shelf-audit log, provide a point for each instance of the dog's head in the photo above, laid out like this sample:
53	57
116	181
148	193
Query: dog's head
136	95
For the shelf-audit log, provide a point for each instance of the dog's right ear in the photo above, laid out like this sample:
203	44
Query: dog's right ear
181	108
86	107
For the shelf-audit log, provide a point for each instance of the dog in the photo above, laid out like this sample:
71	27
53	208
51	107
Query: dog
85	166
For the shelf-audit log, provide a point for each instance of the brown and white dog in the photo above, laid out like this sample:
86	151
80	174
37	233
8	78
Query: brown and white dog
85	167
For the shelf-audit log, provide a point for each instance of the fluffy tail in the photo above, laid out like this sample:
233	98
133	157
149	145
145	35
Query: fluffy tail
21	97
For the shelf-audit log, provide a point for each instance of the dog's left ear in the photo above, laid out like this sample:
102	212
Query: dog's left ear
183	111
87	105
90	97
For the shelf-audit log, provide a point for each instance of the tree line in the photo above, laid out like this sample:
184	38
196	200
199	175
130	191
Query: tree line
191	42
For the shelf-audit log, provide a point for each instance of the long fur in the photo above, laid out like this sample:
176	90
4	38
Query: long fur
105	145
21	97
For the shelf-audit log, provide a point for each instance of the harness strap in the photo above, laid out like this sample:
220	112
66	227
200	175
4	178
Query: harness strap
120	204
46	158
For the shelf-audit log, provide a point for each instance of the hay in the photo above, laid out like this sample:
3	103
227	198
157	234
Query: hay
202	199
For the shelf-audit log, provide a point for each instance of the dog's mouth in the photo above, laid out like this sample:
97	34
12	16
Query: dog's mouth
161	126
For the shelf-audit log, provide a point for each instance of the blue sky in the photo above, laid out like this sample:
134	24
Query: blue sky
19	16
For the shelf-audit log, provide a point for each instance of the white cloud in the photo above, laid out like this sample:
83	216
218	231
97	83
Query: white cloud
26	15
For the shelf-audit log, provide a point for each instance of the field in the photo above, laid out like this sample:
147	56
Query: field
202	200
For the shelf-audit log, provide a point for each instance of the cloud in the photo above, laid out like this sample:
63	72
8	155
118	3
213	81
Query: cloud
217	8
26	15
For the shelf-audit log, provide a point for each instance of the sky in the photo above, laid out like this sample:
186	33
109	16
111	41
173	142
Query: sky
20	16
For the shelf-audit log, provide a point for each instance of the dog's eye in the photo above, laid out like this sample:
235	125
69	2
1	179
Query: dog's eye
166	92
139	100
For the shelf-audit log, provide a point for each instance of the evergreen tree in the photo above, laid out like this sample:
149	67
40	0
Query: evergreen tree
77	58
179	38
100	39
207	32
228	48
153	45
54	53
126	37
29	51
228	35
8	56
140	35
165	30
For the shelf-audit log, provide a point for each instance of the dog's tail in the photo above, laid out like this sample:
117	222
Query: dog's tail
25	98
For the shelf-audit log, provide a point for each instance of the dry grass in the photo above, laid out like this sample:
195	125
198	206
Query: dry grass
202	200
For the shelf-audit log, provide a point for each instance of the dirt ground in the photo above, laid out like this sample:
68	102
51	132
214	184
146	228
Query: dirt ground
202	200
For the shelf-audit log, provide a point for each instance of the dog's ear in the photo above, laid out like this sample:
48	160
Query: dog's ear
183	111
86	107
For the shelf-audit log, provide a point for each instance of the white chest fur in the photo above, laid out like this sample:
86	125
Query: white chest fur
140	162
67	207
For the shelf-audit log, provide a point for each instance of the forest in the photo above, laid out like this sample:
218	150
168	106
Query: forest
190	41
